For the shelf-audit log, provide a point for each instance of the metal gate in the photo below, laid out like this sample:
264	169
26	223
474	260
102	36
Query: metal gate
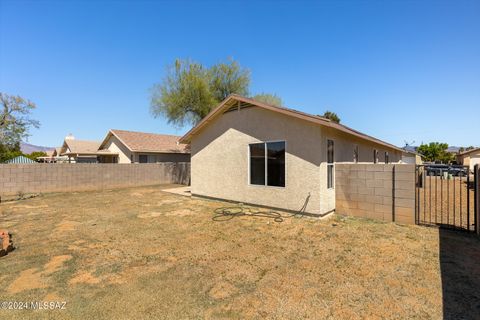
447	196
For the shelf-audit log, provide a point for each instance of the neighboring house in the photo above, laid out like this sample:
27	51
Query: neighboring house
469	158
49	158
20	159
411	157
250	152
79	151
121	146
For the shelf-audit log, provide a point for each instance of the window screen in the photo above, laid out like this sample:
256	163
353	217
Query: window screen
267	164
143	158
330	161
276	164
330	153
257	163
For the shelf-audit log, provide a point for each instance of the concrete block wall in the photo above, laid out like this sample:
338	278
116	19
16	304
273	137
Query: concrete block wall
65	177
377	191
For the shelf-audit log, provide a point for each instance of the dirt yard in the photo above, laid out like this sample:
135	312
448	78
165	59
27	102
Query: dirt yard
449	202
144	253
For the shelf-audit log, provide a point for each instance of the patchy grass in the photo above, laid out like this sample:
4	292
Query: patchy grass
141	252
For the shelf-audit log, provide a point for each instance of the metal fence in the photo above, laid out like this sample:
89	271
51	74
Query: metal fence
447	197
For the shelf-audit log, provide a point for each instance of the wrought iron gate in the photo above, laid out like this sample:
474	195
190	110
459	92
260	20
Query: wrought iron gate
447	196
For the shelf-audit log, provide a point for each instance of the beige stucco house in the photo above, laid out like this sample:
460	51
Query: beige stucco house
251	152
469	158
121	146
78	151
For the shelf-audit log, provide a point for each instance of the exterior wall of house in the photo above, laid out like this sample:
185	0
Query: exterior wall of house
115	146
474	159
220	159
470	159
409	158
126	156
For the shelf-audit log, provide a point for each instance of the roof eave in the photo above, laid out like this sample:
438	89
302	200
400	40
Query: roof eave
298	114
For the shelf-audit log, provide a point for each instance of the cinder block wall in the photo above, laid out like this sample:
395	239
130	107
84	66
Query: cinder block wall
378	191
58	177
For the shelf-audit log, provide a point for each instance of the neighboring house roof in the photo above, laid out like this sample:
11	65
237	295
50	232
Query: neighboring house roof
147	142
411	152
80	147
49	153
20	159
469	151
56	152
234	101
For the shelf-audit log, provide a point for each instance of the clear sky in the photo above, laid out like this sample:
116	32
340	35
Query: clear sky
397	70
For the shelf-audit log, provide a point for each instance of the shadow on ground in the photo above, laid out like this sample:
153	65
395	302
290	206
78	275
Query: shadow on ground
460	272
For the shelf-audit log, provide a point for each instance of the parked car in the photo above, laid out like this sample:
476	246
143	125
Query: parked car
440	169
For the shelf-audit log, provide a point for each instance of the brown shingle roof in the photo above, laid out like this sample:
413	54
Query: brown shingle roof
469	151
150	142
82	146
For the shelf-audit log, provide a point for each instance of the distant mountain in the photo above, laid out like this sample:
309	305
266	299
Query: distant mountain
28	148
451	149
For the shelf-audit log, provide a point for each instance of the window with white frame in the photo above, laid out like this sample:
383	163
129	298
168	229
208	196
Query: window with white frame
330	161
267	163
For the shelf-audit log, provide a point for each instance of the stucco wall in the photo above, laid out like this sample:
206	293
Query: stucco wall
115	146
220	160
220	164
469	160
126	156
474	159
378	191
56	177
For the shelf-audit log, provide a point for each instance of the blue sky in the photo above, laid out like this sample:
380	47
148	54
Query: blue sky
397	70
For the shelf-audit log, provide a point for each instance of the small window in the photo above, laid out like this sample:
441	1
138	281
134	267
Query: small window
267	164
387	157
375	156
143	158
257	164
131	158
276	164
355	154
330	161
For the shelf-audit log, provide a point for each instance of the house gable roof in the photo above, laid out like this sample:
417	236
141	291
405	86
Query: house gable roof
147	142
469	151
80	146
236	101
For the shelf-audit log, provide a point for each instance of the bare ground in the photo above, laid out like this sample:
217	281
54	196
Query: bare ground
144	253
448	202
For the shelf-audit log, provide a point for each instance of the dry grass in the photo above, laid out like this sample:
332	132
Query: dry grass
144	253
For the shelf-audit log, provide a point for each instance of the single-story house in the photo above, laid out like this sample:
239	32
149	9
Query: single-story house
79	151
469	158
121	146
411	157
251	152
